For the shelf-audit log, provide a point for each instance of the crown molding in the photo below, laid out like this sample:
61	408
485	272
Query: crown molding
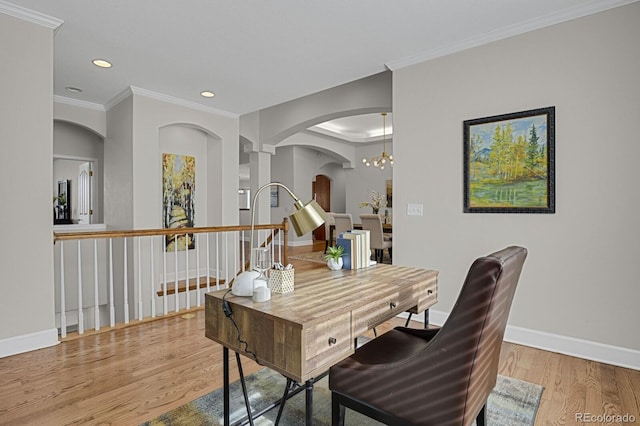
30	15
78	103
118	98
181	102
510	31
350	137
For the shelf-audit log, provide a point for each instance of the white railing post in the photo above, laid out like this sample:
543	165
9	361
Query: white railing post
175	273
126	283
241	242
208	263
152	284
217	263
112	308
63	307
80	311
197	242
165	302
226	263
96	299
186	270
140	313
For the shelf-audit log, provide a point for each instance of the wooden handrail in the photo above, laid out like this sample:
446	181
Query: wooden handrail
66	236
284	227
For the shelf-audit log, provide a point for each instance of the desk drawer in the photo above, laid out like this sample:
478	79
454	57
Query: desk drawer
368	316
427	296
327	342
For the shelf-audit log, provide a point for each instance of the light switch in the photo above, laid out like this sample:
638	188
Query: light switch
414	209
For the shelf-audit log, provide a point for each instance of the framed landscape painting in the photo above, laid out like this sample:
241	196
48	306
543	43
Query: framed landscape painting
509	164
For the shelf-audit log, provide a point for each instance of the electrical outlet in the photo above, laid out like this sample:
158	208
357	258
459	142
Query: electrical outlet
414	209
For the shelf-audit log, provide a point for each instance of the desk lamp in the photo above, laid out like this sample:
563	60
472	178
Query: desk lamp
306	218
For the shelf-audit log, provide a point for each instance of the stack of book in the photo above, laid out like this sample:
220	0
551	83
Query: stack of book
357	248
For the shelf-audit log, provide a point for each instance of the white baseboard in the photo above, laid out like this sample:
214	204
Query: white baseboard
594	351
28	342
586	349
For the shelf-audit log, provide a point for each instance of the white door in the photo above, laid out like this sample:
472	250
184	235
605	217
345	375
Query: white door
85	203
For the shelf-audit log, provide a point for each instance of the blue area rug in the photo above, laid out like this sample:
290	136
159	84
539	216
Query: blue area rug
512	403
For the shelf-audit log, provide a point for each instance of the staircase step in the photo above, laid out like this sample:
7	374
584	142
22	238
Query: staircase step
171	287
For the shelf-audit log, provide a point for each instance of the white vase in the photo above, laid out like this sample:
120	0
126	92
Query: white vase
335	265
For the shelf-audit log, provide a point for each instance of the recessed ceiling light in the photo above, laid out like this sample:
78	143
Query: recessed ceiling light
101	63
73	89
207	94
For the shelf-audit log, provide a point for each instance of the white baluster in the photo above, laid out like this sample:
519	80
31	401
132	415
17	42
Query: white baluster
186	273
126	284
96	300
226	253
217	263
140	313
80	312
112	308
208	263
151	284
197	237
241	251
165	302
273	246
175	275
63	307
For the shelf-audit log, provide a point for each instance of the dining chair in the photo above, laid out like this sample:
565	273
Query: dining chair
344	223
436	376
379	241
327	231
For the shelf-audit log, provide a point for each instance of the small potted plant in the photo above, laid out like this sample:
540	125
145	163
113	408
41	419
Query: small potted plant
334	257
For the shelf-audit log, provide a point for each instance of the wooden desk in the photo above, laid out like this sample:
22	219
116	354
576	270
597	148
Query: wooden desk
303	333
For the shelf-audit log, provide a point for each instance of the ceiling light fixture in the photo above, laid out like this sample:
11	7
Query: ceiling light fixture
101	63
73	89
207	94
384	158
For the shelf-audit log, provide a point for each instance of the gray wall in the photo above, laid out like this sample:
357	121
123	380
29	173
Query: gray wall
26	129
580	278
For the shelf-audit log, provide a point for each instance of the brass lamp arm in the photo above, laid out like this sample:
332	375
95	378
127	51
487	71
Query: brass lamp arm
298	205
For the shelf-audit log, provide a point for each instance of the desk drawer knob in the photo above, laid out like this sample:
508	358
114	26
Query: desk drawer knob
429	291
392	305
332	340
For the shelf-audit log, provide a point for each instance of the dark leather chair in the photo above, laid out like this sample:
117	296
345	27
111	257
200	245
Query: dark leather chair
436	376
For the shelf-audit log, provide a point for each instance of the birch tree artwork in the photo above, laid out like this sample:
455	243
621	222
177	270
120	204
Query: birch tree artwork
178	186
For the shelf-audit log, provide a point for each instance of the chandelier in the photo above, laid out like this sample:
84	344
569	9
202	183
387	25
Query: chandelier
384	158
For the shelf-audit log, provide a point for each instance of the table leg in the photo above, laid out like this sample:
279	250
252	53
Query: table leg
426	319
309	402
244	389
225	386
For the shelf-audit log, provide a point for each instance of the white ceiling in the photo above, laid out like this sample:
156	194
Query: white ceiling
254	53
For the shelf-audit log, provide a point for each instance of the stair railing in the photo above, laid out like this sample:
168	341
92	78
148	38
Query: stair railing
106	279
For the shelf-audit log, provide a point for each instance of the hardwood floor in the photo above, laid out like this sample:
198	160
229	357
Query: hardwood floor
131	375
